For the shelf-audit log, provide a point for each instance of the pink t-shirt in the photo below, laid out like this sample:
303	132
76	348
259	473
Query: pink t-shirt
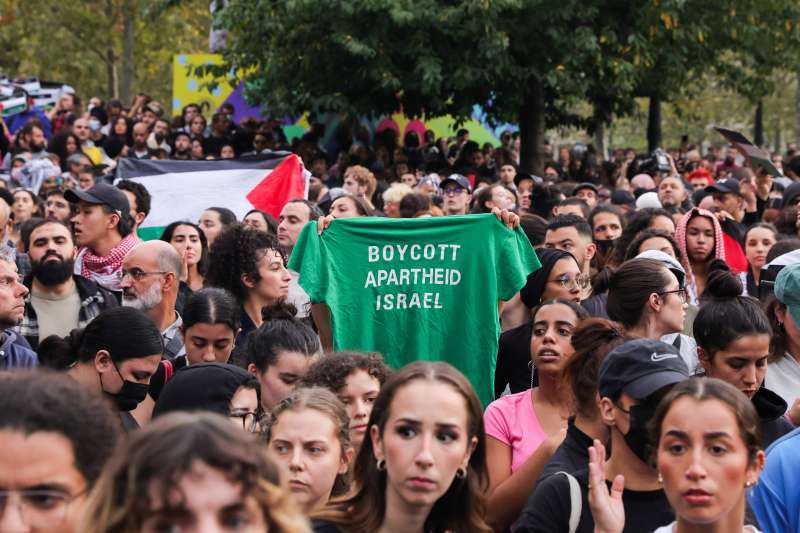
512	420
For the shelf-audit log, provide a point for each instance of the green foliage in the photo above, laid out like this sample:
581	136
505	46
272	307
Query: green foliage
80	43
436	57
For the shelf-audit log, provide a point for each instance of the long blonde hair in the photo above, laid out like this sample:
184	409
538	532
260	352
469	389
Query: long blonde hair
159	455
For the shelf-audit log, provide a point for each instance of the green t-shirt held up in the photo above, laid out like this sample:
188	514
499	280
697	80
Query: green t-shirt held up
417	289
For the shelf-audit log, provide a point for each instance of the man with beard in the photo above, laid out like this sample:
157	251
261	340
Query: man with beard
57	207
158	138
140	150
59	301
183	146
150	277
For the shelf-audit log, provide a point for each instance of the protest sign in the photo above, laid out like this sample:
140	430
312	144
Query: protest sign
412	289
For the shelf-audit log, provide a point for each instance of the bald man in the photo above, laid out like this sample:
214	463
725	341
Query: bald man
140	150
151	274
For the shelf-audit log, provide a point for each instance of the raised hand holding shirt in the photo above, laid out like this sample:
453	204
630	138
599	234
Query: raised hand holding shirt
413	289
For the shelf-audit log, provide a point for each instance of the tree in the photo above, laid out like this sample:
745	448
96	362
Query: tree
429	57
90	44
527	61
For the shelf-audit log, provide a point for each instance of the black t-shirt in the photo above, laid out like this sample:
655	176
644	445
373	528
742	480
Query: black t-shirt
549	509
513	360
595	305
571	455
320	526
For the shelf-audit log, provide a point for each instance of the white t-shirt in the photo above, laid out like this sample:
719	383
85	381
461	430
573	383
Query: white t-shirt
671	529
57	315
783	378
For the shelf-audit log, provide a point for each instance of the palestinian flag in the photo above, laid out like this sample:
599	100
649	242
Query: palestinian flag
182	190
757	157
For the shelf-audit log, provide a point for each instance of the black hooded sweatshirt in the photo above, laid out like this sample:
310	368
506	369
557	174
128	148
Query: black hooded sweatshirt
771	408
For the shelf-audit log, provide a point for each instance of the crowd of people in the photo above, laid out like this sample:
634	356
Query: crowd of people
647	376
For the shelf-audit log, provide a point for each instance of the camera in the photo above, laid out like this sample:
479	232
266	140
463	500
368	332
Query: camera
655	163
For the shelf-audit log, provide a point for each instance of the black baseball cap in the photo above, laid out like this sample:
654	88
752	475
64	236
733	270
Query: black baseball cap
458	179
585	185
620	197
725	185
100	194
639	368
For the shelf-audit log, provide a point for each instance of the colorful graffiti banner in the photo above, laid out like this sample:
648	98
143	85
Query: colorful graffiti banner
188	88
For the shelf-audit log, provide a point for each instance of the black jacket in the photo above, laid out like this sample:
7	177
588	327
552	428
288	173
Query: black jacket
771	408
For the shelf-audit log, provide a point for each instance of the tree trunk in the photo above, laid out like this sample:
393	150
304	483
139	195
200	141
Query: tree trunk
531	129
112	90
600	140
111	69
654	123
758	127
797	110
128	40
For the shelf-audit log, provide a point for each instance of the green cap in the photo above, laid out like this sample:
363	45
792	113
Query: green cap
787	290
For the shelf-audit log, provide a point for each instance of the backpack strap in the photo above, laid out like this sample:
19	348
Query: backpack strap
575	501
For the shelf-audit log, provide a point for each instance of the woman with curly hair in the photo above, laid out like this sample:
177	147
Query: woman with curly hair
184	470
250	264
356	378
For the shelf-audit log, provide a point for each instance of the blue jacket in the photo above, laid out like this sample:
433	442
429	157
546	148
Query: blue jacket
17	121
775	499
15	355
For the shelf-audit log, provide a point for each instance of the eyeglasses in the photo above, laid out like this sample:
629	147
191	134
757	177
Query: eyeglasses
249	419
580	281
680	292
451	191
137	274
39	509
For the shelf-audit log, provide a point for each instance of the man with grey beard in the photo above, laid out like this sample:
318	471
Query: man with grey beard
150	276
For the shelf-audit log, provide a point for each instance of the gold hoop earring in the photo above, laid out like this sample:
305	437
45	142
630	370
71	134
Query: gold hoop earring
380	464
461	473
